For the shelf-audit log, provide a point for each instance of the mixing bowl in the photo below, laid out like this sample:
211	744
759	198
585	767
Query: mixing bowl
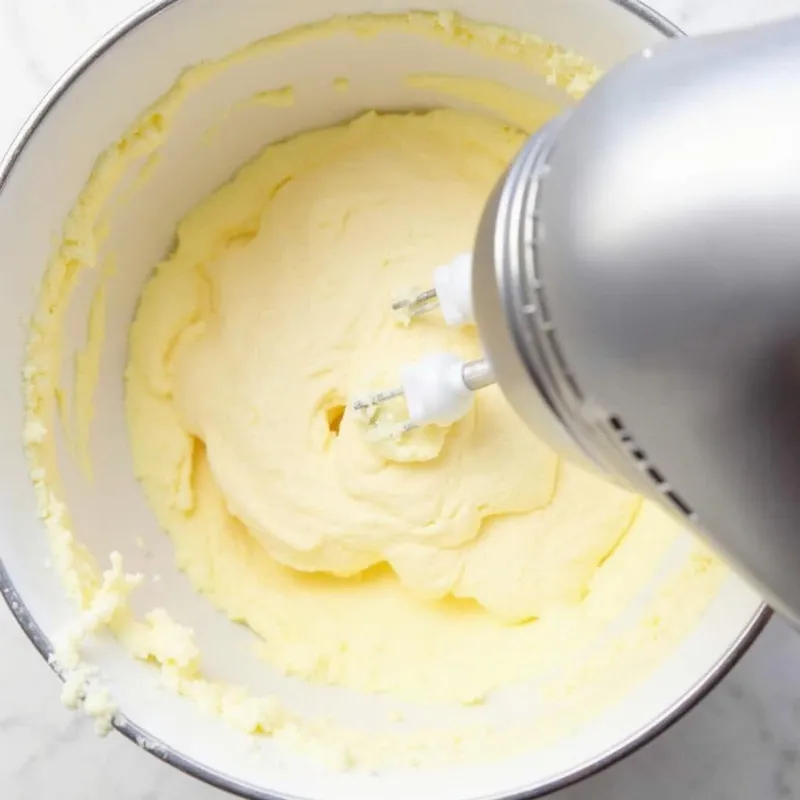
42	175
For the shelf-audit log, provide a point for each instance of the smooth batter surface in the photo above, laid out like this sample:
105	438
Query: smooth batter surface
275	309
384	569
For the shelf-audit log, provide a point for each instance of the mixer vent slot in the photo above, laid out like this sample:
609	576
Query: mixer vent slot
681	505
643	463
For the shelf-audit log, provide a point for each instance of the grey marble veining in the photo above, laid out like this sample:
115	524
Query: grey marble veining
741	743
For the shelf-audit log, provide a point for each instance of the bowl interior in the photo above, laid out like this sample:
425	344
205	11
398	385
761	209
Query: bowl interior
110	512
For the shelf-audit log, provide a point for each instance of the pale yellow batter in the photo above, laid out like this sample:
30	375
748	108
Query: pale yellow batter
275	308
436	569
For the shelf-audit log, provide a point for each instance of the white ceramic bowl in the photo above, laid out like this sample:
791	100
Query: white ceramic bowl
41	176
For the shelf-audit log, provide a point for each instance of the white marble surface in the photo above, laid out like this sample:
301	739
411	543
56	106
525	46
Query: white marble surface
741	743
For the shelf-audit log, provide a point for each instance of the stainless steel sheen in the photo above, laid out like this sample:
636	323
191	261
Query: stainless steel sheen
477	374
637	288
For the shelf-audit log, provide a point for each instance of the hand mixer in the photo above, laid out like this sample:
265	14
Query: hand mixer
635	283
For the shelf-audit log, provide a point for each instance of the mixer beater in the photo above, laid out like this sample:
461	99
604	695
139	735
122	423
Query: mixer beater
438	389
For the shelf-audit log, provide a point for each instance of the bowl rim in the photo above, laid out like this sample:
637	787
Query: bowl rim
165	752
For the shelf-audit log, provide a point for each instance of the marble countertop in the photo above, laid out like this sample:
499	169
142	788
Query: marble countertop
740	743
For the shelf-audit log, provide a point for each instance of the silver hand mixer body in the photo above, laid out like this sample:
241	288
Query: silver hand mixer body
636	286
